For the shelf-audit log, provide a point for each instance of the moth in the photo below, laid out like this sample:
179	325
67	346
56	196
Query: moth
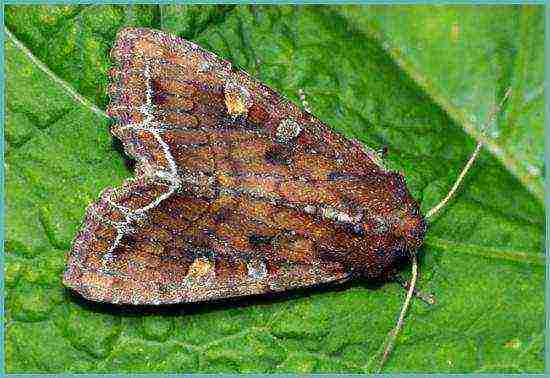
237	191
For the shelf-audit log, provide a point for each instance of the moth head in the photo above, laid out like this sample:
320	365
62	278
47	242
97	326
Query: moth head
409	224
391	229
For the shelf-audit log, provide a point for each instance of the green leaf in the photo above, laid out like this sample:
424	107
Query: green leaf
418	79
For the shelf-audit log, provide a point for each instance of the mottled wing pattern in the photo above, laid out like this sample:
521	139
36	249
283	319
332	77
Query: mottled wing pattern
237	190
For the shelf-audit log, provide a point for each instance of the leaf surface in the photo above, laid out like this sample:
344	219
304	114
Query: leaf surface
419	80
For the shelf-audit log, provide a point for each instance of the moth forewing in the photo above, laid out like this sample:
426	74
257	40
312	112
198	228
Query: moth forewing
237	191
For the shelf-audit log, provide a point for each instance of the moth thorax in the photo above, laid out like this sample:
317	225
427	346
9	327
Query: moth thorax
389	241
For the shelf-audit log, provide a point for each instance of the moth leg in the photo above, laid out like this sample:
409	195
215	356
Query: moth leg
425	297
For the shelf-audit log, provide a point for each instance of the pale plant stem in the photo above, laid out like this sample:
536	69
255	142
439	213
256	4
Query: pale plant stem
62	83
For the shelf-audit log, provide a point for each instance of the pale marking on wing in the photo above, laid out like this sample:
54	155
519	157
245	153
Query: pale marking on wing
237	98
256	269
171	176
210	289
290	129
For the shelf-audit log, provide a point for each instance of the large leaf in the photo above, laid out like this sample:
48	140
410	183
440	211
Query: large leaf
417	79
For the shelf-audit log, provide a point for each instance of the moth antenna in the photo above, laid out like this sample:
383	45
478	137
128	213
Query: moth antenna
394	332
434	210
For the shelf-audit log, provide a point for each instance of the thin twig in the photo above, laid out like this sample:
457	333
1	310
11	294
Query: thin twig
66	86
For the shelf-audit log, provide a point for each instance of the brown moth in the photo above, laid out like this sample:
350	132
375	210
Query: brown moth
237	191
